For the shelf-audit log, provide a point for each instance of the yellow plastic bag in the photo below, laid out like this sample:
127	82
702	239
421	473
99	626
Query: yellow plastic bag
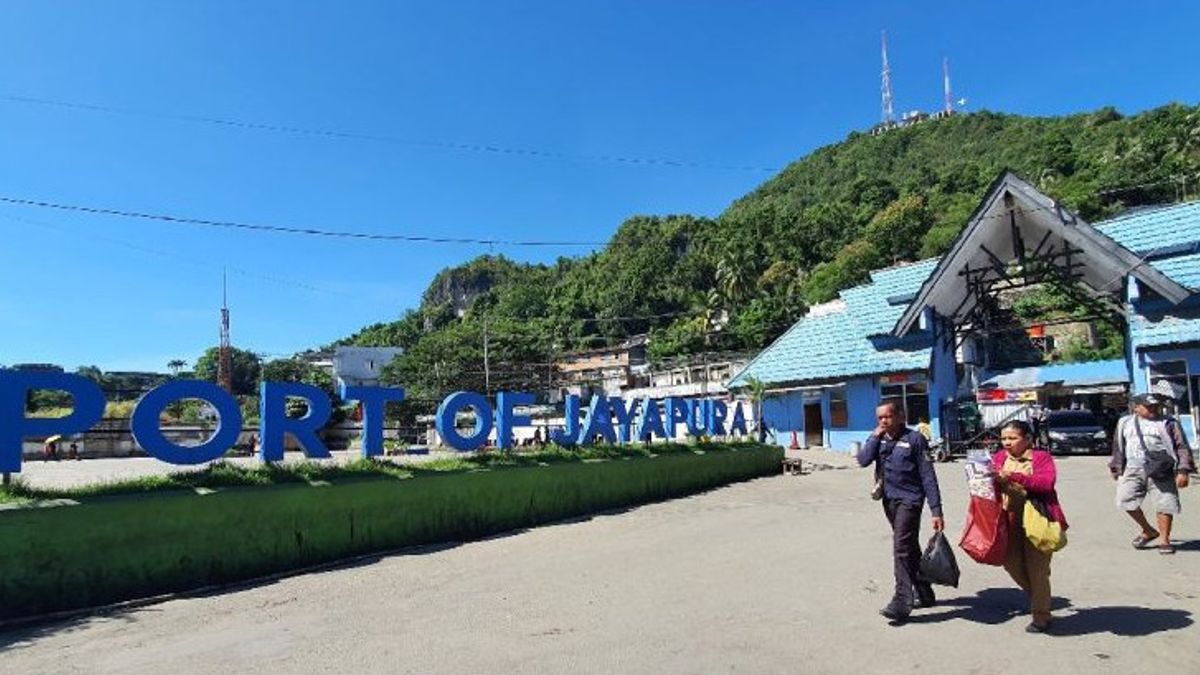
1046	535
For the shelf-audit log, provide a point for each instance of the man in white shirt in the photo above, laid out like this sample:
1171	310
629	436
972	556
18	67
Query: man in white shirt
1150	456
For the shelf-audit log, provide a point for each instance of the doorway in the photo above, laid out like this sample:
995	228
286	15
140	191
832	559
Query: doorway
814	427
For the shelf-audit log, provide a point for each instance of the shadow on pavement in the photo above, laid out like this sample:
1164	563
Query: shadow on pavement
1122	621
997	605
1189	545
990	606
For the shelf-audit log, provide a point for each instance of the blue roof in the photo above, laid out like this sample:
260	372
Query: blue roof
1147	231
854	339
1157	324
1070	374
850	340
1157	231
1184	269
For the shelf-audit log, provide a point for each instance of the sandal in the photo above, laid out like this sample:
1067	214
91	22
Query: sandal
1166	549
1140	541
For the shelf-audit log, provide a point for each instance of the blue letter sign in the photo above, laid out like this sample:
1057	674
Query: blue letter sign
374	402
149	436
612	420
15	385
275	422
448	412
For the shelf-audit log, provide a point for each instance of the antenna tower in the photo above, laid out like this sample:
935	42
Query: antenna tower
948	104
225	351
888	117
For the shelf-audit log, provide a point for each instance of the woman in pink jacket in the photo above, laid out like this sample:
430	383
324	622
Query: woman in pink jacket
1025	472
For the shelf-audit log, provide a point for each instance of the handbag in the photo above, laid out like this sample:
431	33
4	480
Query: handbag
1046	535
938	565
1159	465
985	535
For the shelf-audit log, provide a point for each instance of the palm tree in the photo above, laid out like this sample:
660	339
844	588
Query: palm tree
176	365
735	275
758	390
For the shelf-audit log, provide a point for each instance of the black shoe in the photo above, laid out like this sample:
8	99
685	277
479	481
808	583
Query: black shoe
896	611
925	597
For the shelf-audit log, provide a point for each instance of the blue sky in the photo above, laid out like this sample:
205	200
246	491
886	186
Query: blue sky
725	84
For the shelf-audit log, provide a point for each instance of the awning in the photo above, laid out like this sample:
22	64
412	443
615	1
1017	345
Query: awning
1070	375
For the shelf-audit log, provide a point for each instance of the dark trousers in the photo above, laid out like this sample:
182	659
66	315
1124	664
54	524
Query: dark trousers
906	551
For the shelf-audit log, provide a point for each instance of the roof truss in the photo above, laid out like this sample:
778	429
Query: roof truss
1019	237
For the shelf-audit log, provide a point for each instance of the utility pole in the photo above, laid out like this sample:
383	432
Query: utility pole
487	370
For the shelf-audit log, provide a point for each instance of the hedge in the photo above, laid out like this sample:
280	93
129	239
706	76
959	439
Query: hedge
70	554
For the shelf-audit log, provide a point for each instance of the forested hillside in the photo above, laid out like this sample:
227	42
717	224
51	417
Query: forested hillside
821	224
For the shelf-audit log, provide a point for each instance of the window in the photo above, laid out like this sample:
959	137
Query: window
912	396
1196	393
1171	378
839	410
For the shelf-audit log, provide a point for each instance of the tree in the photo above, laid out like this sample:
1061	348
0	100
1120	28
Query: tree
176	365
247	367
758	391
897	230
92	373
735	275
818	226
297	370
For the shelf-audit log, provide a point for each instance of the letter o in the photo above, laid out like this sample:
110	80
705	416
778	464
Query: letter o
448	411
150	437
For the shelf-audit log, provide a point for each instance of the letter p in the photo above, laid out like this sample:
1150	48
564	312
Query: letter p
15	385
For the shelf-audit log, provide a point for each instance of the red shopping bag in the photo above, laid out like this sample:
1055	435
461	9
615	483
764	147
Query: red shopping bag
985	536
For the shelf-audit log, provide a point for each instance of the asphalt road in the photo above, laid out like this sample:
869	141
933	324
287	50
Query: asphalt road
777	575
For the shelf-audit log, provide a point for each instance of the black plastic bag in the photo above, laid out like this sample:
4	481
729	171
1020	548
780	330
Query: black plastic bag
938	565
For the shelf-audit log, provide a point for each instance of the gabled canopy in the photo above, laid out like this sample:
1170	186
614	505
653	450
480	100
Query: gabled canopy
1014	224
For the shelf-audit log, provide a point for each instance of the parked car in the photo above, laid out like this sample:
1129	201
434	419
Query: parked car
1075	432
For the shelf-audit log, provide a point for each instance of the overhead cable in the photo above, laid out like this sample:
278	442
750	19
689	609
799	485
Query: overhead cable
283	229
395	140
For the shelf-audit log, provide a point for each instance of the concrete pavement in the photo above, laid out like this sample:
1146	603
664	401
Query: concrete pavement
778	575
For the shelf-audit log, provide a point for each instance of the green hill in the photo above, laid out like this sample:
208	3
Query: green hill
737	281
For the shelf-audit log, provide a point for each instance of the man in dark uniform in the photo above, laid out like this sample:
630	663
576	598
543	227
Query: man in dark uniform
902	462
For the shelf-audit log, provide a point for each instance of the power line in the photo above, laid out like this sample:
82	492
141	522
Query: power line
281	229
167	254
394	140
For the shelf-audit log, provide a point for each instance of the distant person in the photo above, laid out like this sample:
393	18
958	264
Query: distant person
50	450
253	444
1150	457
760	429
1024	471
901	457
73	451
925	429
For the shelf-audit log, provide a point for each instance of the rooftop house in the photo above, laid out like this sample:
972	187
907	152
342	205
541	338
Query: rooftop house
931	335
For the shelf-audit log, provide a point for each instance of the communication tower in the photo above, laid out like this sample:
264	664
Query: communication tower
948	101
225	351
888	117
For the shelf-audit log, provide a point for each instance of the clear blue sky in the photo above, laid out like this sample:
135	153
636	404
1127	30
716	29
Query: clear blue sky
721	83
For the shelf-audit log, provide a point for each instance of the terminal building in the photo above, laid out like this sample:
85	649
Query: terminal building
936	335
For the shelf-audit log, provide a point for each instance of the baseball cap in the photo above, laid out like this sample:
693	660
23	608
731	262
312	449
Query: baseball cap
1147	399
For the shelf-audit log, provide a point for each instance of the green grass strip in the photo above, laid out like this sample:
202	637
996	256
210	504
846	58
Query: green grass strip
222	474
